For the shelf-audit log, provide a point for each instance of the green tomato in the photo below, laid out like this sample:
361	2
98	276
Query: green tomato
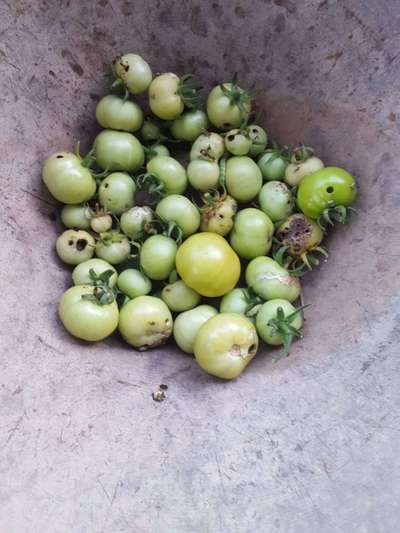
169	172
81	273
100	223
150	131
225	345
238	142
113	247
325	188
243	178
270	280
179	297
133	283
134	72
135	219
157	257
203	175
258	138
164	98
117	192
235	301
75	216
252	233
145	322
67	179
228	106
295	172
118	150
115	113
189	125
187	325
85	318
276	200
269	333
157	149
74	247
179	209
272	164
209	146
217	217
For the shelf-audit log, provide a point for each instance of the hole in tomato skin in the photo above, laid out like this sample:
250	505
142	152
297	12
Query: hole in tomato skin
106	186
252	348
81	244
329	189
221	216
226	124
60	156
70	243
231	137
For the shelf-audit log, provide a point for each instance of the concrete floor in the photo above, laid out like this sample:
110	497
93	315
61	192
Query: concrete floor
310	445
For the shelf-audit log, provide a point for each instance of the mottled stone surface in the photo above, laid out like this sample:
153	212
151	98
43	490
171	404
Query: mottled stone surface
309	445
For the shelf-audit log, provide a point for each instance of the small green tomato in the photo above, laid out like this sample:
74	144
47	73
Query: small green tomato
259	140
81	273
157	256
133	71
187	325
179	297
252	233
133	283
115	113
145	322
273	163
117	192
243	178
295	172
118	150
203	175
209	146
217	216
169	172
75	216
113	247
270	280
238	142
276	200
74	247
189	125
225	345
134	220
179	209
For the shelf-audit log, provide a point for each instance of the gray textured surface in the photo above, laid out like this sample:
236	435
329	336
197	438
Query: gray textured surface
306	446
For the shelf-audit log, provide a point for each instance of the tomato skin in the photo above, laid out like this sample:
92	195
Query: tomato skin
295	172
270	280
113	113
74	247
179	209
169	172
134	71
207	264
259	139
117	192
225	345
118	150
86	319
157	149
157	257
179	297
222	113
114	251
80	274
252	233
327	187
75	216
134	220
145	322
267	312
276	200
189	125
67	179
133	283
243	178
203	175
272	166
188	323
164	100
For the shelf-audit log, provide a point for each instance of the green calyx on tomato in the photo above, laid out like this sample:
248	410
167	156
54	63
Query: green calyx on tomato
282	327
298	242
103	293
326	195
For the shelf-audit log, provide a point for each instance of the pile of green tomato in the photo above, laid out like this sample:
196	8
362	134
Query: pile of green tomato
182	222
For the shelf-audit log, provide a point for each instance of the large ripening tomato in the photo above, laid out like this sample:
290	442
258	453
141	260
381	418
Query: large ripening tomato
207	264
